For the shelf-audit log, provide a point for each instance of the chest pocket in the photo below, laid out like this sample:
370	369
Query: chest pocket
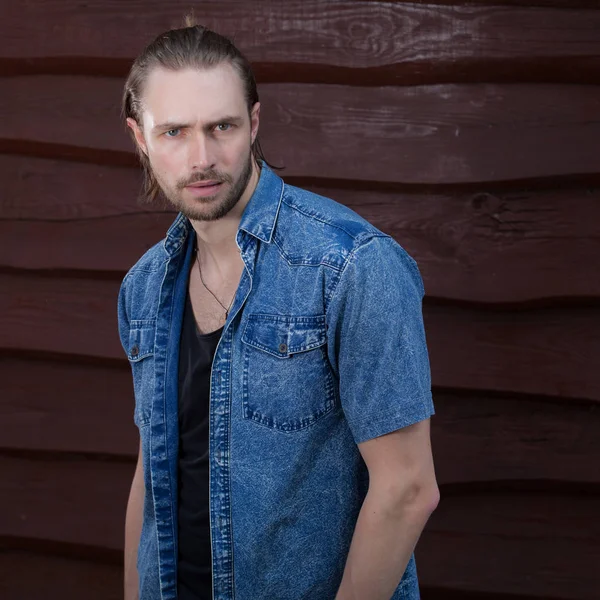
287	380
140	353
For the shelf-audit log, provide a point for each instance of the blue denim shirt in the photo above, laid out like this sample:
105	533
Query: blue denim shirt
324	348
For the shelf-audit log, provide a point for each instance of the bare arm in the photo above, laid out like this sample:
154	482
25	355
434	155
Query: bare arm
402	495
133	529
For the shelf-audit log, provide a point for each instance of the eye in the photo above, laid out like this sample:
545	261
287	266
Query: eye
167	133
228	125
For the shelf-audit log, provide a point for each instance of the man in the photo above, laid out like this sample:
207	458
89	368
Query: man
281	376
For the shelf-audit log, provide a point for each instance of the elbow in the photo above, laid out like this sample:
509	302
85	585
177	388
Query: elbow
425	500
432	499
418	500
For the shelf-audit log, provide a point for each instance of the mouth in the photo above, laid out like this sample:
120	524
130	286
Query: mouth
204	188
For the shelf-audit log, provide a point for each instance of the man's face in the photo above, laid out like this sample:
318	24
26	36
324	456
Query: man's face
195	130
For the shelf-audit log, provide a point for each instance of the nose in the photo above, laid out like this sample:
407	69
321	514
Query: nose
201	153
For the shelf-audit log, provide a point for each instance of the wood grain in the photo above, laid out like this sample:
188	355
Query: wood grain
359	34
84	500
60	406
35	575
478	439
56	315
418	135
549	351
545	545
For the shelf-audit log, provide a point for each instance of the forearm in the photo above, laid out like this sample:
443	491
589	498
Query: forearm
383	542
133	528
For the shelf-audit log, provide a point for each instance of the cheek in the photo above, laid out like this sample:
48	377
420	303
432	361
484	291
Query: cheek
236	151
165	163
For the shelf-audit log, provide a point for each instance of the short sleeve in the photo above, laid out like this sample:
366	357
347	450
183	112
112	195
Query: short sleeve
377	340
122	317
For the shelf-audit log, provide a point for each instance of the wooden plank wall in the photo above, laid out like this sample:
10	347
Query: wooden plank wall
467	130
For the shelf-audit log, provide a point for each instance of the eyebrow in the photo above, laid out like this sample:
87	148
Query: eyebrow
177	125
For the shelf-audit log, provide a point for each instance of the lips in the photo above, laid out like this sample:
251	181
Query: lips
205	184
204	189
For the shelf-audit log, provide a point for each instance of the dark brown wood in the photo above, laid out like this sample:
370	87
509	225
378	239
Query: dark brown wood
108	245
84	501
57	406
64	316
546	545
347	34
490	245
477	438
56	190
423	135
33	576
545	351
561	4
570	69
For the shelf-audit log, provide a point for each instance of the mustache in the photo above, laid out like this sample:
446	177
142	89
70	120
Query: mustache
208	176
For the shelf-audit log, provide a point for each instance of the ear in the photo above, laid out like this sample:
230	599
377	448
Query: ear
137	134
254	121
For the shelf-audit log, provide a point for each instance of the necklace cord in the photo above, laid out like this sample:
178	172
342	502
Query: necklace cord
202	280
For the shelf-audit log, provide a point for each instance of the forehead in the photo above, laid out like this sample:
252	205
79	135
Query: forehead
191	95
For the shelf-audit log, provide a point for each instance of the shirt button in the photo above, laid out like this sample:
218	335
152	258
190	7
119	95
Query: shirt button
135	351
282	347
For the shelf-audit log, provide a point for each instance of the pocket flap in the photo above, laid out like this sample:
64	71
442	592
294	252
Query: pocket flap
141	340
283	335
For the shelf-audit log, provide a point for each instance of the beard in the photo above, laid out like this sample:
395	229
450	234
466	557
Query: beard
233	190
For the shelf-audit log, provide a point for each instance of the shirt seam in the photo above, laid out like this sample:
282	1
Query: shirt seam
360	243
424	400
317	216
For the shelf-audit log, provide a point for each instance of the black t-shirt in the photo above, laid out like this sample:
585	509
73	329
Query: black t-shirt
196	352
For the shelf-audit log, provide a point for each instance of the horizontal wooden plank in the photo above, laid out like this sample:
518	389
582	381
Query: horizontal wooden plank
102	245
65	316
490	245
546	545
56	406
59	406
477	438
346	34
31	576
428	134
46	189
562	4
506	542
69	501
549	351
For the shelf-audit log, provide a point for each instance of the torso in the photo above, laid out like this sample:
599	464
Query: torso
209	314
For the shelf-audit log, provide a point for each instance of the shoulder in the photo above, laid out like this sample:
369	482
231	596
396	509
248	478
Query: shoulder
334	227
148	267
151	261
326	213
308	221
140	286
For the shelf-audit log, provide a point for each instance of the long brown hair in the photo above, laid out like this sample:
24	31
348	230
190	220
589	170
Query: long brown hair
191	46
